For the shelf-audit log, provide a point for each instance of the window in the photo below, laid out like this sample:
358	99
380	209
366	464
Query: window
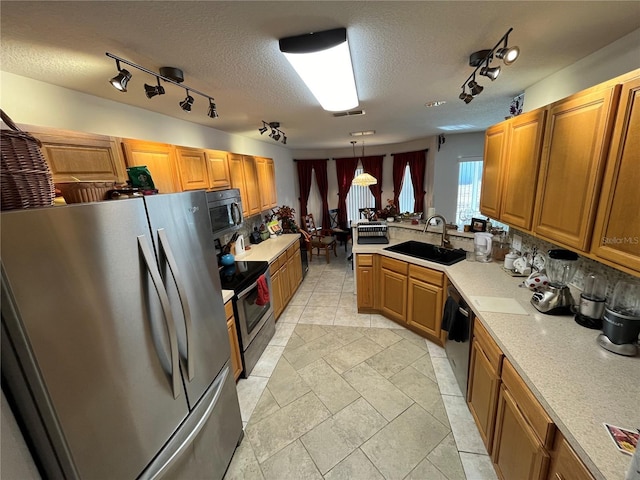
406	200
358	197
469	180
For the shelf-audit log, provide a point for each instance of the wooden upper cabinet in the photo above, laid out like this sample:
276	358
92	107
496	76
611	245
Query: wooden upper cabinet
236	174
252	184
159	158
617	232
575	148
267	179
192	168
74	156
494	151
219	176
520	166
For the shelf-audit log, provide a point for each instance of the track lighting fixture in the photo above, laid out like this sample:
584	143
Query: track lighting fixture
170	75
153	90
276	133
187	102
121	79
481	60
213	111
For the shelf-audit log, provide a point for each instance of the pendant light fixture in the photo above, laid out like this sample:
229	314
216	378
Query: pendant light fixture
481	60
364	179
323	61
170	75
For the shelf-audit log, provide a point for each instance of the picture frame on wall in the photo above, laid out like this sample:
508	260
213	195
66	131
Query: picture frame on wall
478	225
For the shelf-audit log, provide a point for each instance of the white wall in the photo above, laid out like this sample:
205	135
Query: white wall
33	102
615	59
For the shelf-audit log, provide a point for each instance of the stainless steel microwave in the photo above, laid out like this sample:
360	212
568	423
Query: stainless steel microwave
225	211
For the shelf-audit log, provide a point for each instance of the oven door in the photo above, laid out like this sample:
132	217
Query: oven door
251	316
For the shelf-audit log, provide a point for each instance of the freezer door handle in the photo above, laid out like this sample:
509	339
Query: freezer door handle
152	268
182	294
189	432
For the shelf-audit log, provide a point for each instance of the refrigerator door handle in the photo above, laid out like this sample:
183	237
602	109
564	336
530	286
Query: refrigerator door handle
152	268
180	442
182	294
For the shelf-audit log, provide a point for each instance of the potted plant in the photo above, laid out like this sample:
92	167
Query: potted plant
390	211
287	217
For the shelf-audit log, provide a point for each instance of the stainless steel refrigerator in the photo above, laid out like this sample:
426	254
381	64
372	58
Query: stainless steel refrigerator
115	348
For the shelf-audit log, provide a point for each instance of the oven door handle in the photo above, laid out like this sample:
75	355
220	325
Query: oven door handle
182	294
247	290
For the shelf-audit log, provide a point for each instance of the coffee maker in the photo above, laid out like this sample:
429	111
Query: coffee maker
592	299
621	321
556	299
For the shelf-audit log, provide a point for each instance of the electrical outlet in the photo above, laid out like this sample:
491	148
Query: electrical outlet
516	242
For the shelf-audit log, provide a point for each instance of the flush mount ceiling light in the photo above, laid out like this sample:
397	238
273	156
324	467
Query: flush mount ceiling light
437	103
481	60
170	75
323	61
276	133
363	133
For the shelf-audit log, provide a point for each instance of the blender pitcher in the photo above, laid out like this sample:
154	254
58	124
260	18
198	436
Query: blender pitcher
482	246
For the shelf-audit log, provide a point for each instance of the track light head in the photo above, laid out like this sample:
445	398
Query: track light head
263	129
153	90
508	55
474	88
213	112
187	103
284	139
276	137
491	72
120	81
465	97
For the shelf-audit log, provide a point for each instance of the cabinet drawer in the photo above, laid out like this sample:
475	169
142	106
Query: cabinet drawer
566	465
228	309
291	251
364	260
488	345
533	412
433	277
394	265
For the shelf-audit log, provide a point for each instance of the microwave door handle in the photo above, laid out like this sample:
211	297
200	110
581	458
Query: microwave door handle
182	294
152	268
237	219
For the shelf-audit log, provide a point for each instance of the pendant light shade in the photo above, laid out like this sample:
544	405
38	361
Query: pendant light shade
364	180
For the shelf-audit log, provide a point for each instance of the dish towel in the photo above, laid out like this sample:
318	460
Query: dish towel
454	322
263	291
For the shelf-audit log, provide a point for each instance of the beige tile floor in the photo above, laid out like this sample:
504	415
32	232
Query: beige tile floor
342	395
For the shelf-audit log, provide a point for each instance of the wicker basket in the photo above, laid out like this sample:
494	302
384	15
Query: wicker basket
81	192
25	178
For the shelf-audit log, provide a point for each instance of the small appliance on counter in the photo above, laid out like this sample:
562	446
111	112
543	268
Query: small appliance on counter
556	299
621	321
592	299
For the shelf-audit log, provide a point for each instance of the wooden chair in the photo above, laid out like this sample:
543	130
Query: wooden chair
342	234
318	238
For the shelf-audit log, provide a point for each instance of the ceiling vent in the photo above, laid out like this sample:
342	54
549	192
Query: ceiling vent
352	113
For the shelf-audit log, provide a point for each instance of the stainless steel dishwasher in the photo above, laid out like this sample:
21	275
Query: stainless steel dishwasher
458	320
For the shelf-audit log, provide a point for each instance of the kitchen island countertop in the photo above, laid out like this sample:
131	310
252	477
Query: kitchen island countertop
578	383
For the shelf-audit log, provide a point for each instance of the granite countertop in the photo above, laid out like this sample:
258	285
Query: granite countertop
266	251
578	383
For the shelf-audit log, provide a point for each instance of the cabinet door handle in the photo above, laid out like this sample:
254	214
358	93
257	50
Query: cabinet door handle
152	268
165	247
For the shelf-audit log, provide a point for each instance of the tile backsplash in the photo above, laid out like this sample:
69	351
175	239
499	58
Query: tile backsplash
585	265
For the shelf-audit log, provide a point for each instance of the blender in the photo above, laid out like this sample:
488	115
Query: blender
556	299
621	321
592	301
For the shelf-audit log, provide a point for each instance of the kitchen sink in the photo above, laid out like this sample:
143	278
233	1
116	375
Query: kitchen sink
426	251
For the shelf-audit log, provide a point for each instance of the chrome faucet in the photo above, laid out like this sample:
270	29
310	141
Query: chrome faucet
444	239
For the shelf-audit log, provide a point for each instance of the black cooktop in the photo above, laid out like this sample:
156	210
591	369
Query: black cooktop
240	275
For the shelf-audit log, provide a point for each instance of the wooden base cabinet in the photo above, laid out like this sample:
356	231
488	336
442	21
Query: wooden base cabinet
236	359
425	301
393	289
286	277
484	383
565	464
365	280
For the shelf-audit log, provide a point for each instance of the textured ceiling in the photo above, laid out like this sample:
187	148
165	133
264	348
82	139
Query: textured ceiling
404	54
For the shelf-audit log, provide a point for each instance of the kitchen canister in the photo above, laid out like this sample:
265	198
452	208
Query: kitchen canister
509	259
